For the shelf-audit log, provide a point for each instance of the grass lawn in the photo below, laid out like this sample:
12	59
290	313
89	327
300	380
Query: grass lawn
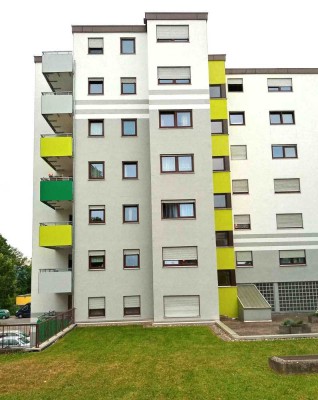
185	363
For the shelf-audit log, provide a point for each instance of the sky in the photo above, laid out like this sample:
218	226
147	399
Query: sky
271	33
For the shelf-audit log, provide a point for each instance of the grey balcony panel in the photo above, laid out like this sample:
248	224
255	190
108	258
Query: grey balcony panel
55	281
61	103
57	61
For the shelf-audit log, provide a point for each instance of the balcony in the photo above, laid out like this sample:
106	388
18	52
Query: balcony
55	235
57	151
57	67
55	281
57	192
57	109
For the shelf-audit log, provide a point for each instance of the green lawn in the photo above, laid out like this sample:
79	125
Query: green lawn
185	363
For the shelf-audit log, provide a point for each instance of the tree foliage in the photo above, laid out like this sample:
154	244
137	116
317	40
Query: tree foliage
15	274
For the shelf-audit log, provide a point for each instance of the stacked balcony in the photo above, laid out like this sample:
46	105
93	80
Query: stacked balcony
57	192
57	106
55	281
54	235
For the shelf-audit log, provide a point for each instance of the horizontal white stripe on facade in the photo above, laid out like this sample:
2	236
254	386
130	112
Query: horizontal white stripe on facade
111	115
275	240
176	106
179	96
276	248
111	107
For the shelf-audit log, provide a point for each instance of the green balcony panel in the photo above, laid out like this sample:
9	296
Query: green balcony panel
57	194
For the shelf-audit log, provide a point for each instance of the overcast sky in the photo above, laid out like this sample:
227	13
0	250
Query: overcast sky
251	33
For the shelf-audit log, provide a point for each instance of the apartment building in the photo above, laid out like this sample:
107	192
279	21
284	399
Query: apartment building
123	229
162	180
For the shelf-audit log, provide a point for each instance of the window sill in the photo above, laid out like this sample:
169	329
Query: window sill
175	127
179	266
130	179
96	136
131	269
175	172
97	269
178	219
293	265
97	223
96	180
244	266
130	222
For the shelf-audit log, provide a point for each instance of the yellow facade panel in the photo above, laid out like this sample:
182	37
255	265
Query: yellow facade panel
221	182
228	302
55	235
56	147
225	258
223	220
220	145
218	109
217	72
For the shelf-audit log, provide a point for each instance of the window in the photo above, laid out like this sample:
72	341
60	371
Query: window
287	185
128	85
180	256
96	214
174	75
282	117
95	45
240	186
96	307
95	86
131	259
242	221
130	169
237	118
131	213
279	84
175	119
224	238
96	127
292	257
284	151
179	163
172	210
217	91
235	85
219	126
181	306
222	200
226	277
285	221
131	305
238	152
129	127
96	260
172	33
244	258
220	164
127	46
96	170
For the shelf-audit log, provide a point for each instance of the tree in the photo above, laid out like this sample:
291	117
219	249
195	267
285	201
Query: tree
15	274
7	282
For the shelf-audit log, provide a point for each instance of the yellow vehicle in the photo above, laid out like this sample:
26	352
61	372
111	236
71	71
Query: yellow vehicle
23	299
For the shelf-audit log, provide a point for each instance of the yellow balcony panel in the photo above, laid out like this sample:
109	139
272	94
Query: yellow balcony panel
217	72
54	235
220	145
225	258
228	302
218	109
56	146
223	220
221	182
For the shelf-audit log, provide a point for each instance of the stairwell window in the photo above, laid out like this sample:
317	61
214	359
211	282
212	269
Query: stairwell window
219	127
226	277
217	91
178	210
224	238
175	119
220	164
222	200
